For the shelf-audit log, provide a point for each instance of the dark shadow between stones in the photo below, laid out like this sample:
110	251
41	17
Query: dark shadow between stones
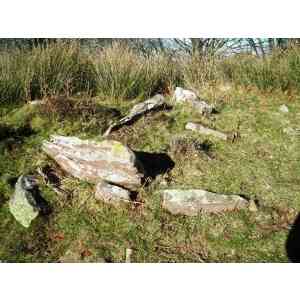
292	245
155	163
43	205
15	133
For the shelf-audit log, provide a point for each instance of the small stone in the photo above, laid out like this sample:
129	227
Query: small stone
206	131
182	95
291	131
283	108
187	96
111	194
128	255
252	206
36	102
23	205
193	202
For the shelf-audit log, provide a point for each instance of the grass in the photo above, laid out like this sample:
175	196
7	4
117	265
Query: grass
262	165
118	72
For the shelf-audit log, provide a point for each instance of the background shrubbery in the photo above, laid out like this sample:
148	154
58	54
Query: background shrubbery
118	71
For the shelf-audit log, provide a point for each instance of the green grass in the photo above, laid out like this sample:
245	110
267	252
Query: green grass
263	165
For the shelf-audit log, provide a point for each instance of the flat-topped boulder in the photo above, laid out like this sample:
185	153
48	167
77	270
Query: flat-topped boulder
94	161
192	202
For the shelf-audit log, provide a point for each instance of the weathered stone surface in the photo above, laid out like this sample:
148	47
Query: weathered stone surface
96	161
192	202
206	131
36	102
111	194
23	205
137	110
187	96
283	108
182	95
291	131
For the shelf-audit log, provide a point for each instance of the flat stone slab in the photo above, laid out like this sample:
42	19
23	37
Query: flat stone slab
23	205
186	96
137	110
93	161
111	194
192	202
206	131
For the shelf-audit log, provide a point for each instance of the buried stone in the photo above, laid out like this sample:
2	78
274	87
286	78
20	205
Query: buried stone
192	202
93	161
187	96
206	131
111	194
23	204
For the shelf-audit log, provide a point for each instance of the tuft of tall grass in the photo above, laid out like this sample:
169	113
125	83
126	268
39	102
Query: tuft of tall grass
15	77
279	70
123	73
117	71
60	68
200	71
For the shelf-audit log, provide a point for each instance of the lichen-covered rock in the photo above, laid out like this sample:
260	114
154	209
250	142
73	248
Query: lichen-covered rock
111	194
96	161
192	202
187	96
23	205
206	131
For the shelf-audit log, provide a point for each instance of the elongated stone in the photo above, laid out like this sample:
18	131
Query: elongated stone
137	110
193	202
206	131
96	161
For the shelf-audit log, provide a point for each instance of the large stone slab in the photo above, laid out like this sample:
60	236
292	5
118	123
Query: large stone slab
22	204
193	202
205	131
186	96
96	161
138	110
111	194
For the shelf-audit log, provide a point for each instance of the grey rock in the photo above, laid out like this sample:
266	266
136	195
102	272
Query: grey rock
291	131
36	102
137	110
193	202
23	205
93	161
187	96
283	108
206	131
110	193
181	95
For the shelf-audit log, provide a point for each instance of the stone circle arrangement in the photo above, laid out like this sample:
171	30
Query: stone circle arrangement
117	171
